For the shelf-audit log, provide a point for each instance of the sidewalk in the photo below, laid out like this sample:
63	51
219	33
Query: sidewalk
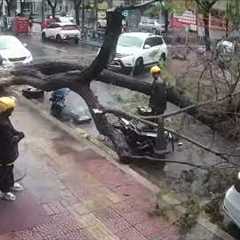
72	192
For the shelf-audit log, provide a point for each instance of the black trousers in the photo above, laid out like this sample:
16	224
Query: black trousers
6	178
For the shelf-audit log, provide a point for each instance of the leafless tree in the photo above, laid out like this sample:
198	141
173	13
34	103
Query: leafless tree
53	5
11	5
77	4
205	8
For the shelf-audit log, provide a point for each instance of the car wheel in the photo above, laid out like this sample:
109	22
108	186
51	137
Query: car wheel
139	66
44	36
76	41
58	38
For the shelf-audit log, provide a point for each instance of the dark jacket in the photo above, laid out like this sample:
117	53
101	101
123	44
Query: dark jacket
9	139
158	98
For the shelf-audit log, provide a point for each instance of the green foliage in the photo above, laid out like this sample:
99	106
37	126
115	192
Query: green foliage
188	220
156	8
177	6
233	12
205	5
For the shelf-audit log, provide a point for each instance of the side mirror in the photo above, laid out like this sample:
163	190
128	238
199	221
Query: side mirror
25	44
147	46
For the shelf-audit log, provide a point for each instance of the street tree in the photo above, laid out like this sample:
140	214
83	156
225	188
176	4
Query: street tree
205	7
53	5
22	5
11	5
232	15
164	7
77	4
1	7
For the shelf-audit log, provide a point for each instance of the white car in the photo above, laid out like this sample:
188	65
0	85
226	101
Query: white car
231	203
136	50
65	19
151	25
225	47
61	32
13	52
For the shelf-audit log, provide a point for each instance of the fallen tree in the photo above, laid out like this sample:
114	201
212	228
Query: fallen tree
50	76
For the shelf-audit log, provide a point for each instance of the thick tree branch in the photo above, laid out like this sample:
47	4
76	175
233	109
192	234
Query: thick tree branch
139	6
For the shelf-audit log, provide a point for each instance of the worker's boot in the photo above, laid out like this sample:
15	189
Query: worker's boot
8	196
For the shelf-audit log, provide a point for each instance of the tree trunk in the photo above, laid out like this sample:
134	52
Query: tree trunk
227	27
9	9
53	9
76	8
77	16
102	124
83	18
22	3
206	31
166	22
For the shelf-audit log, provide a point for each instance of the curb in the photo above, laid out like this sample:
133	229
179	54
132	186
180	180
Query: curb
81	135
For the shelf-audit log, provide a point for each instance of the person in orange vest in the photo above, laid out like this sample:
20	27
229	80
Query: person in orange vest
9	139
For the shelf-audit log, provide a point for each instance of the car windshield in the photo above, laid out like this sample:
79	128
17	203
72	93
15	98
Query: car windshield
9	43
130	41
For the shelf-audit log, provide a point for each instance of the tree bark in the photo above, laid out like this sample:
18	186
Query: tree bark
166	15
206	31
77	4
9	3
22	3
53	7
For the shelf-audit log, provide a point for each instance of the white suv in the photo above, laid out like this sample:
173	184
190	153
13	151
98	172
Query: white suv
134	51
61	32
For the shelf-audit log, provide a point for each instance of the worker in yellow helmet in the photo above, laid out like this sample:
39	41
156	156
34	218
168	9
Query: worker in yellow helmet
9	139
158	97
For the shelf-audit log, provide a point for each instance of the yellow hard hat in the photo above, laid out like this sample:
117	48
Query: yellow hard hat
155	69
7	103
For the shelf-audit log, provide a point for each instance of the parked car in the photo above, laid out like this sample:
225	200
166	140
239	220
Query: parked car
61	32
231	203
151	25
225	47
65	19
136	50
13	52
